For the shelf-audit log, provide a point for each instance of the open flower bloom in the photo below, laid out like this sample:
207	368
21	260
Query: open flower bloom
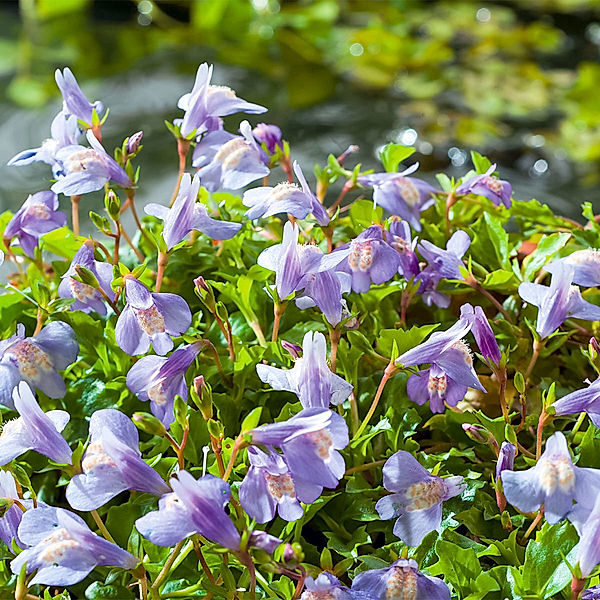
327	587
304	267
428	291
230	161
10	520
285	198
150	317
267	134
557	302
74	100
34	430
187	215
207	101
62	549
401	579
64	131
159	380
588	550
446	263
592	593
400	239
87	299
371	259
585	265
310	442
554	482
37	360
85	170
406	197
489	186
112	463
311	378
585	400
194	506
417	499
38	215
269	488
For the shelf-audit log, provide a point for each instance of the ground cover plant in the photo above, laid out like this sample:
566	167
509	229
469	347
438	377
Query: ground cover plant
349	384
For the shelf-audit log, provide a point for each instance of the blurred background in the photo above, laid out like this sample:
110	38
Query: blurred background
517	81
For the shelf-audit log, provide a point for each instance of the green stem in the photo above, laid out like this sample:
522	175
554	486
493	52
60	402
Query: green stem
102	526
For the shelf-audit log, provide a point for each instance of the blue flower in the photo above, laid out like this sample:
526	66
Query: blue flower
489	186
74	100
446	263
585	400
585	265
11	519
399	238
270	135
328	587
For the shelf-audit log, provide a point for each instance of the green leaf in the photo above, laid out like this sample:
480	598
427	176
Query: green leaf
252	419
393	154
404	339
547	247
481	163
490	244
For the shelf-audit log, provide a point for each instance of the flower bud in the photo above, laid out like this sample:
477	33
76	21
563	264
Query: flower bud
594	348
201	394
180	411
293	554
293	349
132	145
86	276
215	428
270	135
112	204
148	423
478	433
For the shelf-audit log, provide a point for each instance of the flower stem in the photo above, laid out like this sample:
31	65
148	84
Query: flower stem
534	524
75	213
502	377
166	568
128	240
578	424
334	337
390	370
183	147
102	526
349	185
537	347
473	283
203	563
131	199
237	446
163	260
365	467
278	311
539	436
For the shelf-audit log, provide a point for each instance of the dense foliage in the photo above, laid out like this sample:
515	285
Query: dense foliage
253	289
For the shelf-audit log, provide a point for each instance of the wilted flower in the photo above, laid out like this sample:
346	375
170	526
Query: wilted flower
64	131
399	238
269	488
557	302
87	298
62	548
270	135
401	579
406	197
585	400
285	198
159	380
371	259
187	215
150	317
38	215
207	101
554	482
230	161
111	463
489	186
85	170
194	506
34	430
417	498
74	100
37	360
326	587
311	378
310	442
446	263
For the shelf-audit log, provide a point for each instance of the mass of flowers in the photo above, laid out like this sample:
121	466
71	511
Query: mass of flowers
337	383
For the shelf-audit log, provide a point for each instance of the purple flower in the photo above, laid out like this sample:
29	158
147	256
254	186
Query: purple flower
111	463
37	360
404	196
592	593
62	549
194	506
554	482
34	430
585	265
588	550
451	371
557	302
149	317
371	259
9	522
326	587
305	267
64	131
417	498
230	161
264	541
399	238
207	101
429	281
270	135
159	380
506	458
187	215
489	186
310	442
401	579
74	100
87	299
311	378
85	170
285	198
269	488
38	215
585	400
482	332
447	263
